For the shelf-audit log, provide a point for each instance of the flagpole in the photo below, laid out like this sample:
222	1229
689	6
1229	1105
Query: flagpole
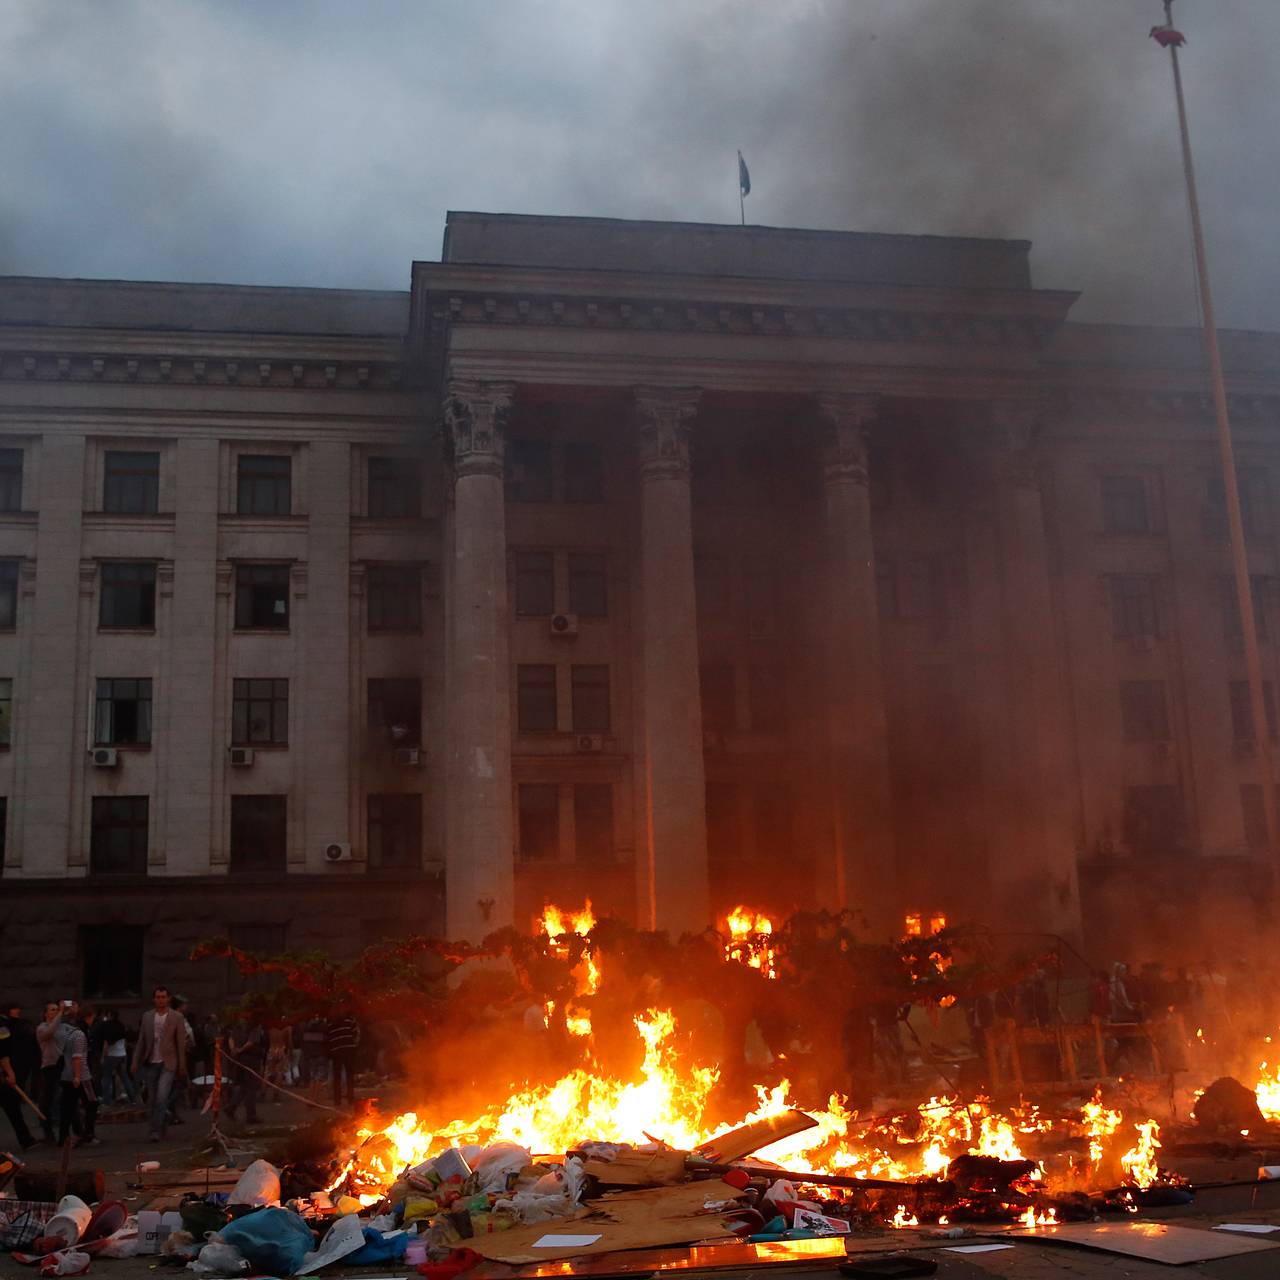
742	199
1230	485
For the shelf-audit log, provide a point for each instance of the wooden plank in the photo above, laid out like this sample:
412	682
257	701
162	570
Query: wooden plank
639	1169
163	1180
736	1143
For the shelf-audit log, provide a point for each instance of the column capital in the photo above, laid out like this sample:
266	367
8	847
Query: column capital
846	418
664	417
475	420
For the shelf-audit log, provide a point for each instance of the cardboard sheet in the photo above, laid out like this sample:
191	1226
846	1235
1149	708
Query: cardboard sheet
639	1169
1155	1241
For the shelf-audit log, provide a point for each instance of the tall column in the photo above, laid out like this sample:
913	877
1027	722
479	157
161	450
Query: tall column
674	893
480	874
1035	881
865	870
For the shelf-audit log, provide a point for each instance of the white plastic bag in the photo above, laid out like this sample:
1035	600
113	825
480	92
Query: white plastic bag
67	1262
219	1259
344	1237
122	1243
259	1184
495	1162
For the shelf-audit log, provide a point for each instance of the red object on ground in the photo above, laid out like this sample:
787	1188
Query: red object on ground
738	1178
1166	36
455	1264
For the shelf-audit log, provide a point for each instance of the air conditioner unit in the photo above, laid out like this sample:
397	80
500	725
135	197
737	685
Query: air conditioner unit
105	758
407	755
337	852
564	624
241	757
590	742
760	627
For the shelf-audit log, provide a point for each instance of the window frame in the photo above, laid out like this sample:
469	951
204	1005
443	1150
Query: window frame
253	481
246	598
525	572
579	569
583	792
11	480
526	826
276	698
97	940
109	703
532	691
393	599
108	572
270	828
380	807
585	700
145	479
10	589
517	486
138	827
379	727
400	481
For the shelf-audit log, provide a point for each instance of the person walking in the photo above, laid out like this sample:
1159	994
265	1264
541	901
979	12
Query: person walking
342	1040
24	1050
160	1056
79	1100
10	1099
247	1044
47	1037
115	1059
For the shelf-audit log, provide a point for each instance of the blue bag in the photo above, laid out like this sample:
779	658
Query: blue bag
273	1240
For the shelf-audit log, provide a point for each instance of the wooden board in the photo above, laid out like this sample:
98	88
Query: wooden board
639	1169
728	1147
165	1180
1154	1241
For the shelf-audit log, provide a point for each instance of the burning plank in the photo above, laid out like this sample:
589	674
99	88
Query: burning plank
731	1146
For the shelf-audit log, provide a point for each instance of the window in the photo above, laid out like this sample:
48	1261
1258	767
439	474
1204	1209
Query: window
1242	710
6	711
588	586
583	473
131	483
539	806
122	713
1255	821
395	488
263	485
395	831
768	690
718	712
111	960
262	597
395	597
724	822
1144	711
593	822
260	713
590	699
118	835
772	812
1232	627
8	594
1124	505
128	597
536	698
395	711
259	827
262	940
528	471
10	479
535	584
1134	609
1155	822
1254	505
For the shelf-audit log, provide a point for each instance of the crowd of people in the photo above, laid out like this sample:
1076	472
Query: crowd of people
78	1057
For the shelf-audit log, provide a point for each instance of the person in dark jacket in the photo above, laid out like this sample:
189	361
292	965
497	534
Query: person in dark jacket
342	1042
10	1101
247	1044
24	1049
117	1083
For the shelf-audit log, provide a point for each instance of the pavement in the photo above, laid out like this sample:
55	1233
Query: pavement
185	1147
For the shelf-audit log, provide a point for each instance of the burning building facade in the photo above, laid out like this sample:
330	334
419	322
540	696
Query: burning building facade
674	566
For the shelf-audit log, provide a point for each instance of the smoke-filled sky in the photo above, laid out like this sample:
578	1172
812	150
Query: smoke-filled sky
320	142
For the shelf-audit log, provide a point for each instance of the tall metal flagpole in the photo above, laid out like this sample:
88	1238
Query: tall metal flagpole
1171	39
742	195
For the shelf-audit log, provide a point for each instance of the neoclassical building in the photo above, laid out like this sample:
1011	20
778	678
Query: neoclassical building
671	565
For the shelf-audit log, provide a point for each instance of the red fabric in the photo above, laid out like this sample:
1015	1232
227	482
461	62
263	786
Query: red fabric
1166	36
455	1264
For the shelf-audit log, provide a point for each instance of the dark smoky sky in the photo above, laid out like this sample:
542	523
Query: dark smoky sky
320	142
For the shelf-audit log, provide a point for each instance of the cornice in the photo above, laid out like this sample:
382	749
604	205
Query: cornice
1252	407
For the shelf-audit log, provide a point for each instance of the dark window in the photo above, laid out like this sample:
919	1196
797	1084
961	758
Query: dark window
262	940
8	594
1144	711
128	596
10	479
536	698
395	597
1155	822
1255	512
593	822
118	838
1255	821
1134	609
772	805
259	832
590	699
262	597
1242	710
122	713
1232	628
395	488
588	586
4	827
131	483
6	711
259	712
718	712
768	690
1124	505
539	805
395	831
535	584
583	473
111	960
263	485
724	822
395	711
528	471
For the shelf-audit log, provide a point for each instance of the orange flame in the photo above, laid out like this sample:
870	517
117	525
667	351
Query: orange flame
749	940
1139	1164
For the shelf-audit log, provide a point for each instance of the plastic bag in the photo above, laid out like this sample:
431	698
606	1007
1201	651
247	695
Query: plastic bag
498	1160
259	1184
274	1240
219	1259
379	1248
67	1262
122	1243
343	1238
180	1244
